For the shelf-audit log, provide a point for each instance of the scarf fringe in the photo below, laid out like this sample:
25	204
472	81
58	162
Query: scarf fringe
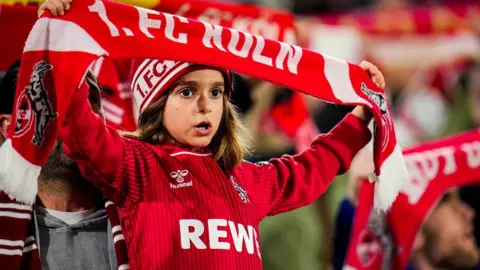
18	177
390	181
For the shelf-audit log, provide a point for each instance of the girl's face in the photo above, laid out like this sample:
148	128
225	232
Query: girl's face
194	108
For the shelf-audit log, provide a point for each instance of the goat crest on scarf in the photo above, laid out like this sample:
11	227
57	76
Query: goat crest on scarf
92	29
385	241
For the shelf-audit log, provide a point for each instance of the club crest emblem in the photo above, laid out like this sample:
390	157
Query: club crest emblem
375	241
377	98
33	106
242	193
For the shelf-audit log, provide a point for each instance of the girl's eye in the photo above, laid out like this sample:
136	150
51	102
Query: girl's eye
217	92
186	92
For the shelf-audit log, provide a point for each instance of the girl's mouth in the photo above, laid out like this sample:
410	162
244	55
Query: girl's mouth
204	128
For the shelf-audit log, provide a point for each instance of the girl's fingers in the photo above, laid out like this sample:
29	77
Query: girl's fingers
59	6
41	9
379	80
374	72
52	8
66	4
56	7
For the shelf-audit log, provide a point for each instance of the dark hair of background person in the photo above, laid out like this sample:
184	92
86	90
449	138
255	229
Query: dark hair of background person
470	195
329	116
241	94
7	88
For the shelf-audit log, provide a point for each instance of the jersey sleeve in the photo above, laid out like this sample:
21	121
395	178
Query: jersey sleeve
286	183
116	165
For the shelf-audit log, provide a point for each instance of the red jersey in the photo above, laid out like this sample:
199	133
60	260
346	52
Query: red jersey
179	210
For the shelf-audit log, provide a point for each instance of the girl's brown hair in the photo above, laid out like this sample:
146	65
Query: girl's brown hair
226	146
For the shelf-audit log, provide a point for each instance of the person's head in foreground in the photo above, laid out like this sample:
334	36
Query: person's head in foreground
187	105
446	240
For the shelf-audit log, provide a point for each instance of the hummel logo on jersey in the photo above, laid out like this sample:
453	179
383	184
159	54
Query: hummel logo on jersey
180	176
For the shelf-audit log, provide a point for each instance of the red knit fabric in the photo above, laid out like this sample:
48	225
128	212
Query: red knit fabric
117	102
258	20
152	77
14	220
167	194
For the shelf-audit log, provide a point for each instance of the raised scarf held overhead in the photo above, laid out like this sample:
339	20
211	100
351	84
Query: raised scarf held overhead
259	20
58	51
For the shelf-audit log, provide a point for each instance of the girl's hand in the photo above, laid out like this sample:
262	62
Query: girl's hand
363	113
375	74
56	7
377	77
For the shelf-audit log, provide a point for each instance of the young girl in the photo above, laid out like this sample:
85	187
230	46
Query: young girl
186	198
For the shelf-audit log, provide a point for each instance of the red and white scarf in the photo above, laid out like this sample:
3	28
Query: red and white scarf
59	50
117	100
118	105
381	241
262	21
